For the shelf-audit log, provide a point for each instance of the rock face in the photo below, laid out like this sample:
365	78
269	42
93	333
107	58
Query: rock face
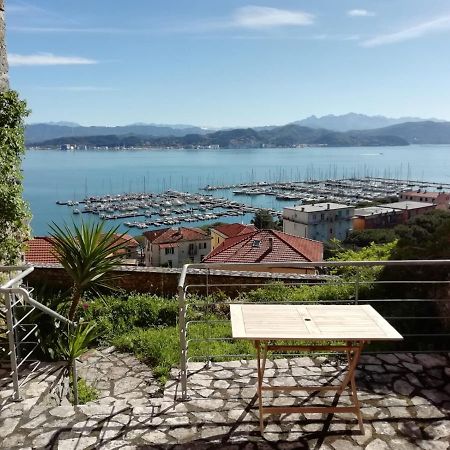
222	412
3	58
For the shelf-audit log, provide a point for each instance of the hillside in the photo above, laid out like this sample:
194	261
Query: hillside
285	136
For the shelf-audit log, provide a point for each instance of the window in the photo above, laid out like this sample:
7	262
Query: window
170	251
169	263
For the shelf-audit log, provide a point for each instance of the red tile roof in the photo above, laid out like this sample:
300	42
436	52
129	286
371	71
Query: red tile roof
40	250
274	246
234	229
168	235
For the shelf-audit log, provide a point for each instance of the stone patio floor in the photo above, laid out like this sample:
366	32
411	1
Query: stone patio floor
405	402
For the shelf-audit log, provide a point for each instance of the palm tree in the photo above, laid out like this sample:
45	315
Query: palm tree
89	254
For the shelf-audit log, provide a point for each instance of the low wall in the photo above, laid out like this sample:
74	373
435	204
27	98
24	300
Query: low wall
164	281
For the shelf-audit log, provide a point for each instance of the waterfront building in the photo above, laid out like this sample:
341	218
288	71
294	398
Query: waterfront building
319	221
174	247
376	217
440	199
266	246
222	232
411	209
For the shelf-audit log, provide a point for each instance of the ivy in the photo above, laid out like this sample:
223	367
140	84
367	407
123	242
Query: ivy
14	212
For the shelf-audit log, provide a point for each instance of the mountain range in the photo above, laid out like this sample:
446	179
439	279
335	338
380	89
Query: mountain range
413	132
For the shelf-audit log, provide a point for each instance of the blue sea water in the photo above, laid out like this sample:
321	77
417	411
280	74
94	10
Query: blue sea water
51	175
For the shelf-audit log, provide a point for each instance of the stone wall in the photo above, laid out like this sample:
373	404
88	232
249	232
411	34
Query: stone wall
164	281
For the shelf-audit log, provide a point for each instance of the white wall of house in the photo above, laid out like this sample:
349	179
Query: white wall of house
180	253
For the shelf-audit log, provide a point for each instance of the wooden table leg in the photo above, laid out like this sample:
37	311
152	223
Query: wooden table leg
353	360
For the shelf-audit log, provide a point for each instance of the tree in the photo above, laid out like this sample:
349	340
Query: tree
14	213
264	220
89	254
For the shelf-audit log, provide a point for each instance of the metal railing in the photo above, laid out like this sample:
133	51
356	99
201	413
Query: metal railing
19	333
357	284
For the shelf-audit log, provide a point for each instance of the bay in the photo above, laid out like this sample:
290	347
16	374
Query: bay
51	175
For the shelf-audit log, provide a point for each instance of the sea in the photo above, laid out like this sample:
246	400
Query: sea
57	175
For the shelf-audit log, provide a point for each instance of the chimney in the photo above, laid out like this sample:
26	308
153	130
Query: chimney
328	206
270	244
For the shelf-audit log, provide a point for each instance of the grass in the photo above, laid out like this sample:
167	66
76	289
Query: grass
86	392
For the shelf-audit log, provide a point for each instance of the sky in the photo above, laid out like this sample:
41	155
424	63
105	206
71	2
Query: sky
218	63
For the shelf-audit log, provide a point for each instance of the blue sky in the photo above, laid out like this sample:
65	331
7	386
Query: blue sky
228	62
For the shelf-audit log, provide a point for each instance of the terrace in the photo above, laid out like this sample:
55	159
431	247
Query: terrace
404	389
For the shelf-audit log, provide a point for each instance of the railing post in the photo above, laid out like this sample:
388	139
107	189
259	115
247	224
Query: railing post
75	382
183	341
357	279
12	348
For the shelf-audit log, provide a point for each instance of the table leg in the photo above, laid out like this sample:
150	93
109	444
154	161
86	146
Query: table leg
259	386
353	362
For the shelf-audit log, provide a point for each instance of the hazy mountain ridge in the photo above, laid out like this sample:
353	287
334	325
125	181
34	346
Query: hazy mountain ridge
353	122
285	136
36	133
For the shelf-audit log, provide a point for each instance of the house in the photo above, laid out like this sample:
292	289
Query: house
440	199
376	217
222	232
267	246
174	247
319	221
410	209
40	250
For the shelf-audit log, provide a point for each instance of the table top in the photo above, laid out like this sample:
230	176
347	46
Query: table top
310	322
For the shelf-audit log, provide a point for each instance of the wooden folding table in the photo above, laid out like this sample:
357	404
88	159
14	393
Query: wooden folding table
335	328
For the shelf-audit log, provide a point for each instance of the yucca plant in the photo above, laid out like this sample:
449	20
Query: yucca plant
88	253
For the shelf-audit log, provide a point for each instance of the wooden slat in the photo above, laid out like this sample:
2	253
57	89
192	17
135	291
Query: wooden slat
310	322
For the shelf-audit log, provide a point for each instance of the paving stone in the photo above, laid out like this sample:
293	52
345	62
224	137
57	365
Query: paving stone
79	443
8	425
390	358
126	384
62	411
433	445
439	429
377	444
402	387
399	412
43	439
14	440
435	395
429	360
428	412
384	428
344	444
410	429
415	368
402	444
182	435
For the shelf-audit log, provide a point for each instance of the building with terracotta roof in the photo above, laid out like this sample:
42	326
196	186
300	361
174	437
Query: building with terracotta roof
267	246
222	232
174	247
40	250
440	199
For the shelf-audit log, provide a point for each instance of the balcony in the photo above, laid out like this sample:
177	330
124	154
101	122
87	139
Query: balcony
404	390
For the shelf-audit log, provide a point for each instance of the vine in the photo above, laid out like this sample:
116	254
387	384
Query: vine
14	212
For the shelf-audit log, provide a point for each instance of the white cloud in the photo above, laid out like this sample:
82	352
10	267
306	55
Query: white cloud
265	17
360	13
433	26
46	59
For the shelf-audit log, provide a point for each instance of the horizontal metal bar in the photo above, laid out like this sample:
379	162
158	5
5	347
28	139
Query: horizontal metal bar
209	339
13	268
426	335
313	348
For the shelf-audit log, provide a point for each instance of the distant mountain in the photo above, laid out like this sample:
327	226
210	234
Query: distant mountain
39	132
285	136
352	121
427	132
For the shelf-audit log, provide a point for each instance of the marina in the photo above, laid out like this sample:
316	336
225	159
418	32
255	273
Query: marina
173	207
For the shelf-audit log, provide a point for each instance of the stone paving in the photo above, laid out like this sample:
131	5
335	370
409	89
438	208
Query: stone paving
405	402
